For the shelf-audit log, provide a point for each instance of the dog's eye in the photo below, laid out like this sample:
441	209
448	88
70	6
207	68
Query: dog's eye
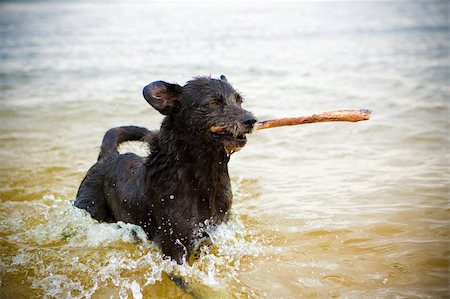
238	98
213	104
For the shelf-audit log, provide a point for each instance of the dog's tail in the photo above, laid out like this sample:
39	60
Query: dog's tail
115	136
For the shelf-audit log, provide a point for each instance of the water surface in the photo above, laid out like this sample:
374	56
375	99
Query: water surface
325	210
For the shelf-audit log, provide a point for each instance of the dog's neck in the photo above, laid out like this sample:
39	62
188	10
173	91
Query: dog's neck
200	167
186	147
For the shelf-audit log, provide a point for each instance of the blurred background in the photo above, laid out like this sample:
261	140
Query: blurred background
334	210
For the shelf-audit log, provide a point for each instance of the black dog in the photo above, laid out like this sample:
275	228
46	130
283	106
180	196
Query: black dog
184	181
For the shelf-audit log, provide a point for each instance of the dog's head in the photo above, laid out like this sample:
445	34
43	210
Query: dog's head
205	108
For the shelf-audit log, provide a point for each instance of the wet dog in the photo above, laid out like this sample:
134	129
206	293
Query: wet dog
184	182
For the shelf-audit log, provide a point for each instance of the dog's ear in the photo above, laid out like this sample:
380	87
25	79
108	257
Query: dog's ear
223	78
164	97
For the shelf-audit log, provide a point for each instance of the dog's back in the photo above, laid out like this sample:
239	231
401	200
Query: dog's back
111	169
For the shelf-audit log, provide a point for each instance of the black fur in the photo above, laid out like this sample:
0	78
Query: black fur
184	181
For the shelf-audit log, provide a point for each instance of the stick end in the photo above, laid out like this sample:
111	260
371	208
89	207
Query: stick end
367	113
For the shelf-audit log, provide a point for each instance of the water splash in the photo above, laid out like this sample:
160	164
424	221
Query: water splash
68	254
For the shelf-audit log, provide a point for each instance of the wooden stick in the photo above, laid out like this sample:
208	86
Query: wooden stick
339	115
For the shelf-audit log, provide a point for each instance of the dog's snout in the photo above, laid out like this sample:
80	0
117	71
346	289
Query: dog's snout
249	120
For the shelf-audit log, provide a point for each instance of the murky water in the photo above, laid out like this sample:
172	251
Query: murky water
325	210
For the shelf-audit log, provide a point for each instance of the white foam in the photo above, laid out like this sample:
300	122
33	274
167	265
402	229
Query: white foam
73	245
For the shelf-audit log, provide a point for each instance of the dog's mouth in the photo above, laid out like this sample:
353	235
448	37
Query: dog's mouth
233	140
230	136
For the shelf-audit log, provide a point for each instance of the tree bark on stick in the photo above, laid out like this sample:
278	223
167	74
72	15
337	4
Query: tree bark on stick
339	115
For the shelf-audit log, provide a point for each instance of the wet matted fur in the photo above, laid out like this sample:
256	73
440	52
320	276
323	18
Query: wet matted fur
184	181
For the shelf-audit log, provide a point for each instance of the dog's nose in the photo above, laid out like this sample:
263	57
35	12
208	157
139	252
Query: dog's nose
249	120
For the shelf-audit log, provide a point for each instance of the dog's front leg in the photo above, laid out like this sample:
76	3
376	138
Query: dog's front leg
176	242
